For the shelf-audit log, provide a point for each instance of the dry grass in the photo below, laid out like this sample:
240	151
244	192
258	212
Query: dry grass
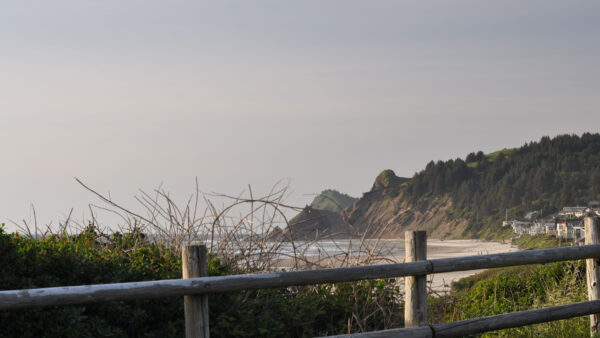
250	232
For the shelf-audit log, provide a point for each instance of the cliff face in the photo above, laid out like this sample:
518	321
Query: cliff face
381	212
389	216
319	224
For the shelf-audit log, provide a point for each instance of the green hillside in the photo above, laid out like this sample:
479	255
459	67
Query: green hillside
332	200
468	198
544	175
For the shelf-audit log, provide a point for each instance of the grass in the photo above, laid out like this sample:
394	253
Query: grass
517	288
527	242
506	152
493	156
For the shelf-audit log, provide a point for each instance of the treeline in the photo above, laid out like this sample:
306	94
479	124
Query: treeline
544	175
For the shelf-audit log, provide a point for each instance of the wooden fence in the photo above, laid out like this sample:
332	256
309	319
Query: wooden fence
195	287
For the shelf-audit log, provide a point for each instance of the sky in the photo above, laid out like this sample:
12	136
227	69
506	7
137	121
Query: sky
128	95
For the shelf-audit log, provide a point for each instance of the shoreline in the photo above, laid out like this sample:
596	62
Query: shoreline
393	252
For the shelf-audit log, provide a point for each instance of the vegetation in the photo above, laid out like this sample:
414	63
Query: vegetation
517	288
332	200
544	175
88	259
92	257
527	242
497	291
387	179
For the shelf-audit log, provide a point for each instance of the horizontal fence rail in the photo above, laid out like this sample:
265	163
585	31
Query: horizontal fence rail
490	323
19	299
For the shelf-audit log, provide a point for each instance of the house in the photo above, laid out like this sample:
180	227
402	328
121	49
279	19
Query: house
563	231
550	228
594	204
572	212
537	228
521	227
579	233
532	215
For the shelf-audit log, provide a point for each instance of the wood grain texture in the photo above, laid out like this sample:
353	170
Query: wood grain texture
490	323
415	308
592	236
83	294
540	256
195	306
413	332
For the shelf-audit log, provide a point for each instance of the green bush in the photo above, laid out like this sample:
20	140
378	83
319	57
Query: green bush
83	259
90	258
539	242
306	311
520	288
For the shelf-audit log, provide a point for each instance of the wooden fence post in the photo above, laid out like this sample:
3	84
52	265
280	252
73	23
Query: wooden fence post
415	306
193	259
592	236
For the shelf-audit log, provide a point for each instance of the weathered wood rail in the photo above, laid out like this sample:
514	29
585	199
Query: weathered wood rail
490	323
195	288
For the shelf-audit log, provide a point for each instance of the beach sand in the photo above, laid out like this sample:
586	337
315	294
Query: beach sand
459	248
392	251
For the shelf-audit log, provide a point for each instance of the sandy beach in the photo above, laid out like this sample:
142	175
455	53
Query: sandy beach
437	248
459	248
333	253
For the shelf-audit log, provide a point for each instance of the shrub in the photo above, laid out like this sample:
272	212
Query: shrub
92	258
520	288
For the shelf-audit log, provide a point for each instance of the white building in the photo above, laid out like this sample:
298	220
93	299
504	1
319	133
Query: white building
520	227
563	230
537	228
569	229
572	211
550	228
578	232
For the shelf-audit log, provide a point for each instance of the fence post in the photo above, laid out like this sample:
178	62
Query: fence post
415	306
193	259
592	236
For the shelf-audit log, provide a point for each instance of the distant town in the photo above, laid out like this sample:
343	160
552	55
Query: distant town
566	224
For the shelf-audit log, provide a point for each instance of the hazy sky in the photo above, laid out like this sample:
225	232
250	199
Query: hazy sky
129	94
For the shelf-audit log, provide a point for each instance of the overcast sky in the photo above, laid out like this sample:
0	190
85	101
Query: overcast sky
131	94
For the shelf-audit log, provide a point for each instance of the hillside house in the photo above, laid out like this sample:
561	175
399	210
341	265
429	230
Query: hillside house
550	228
570	229
563	231
578	233
532	215
537	228
521	227
572	212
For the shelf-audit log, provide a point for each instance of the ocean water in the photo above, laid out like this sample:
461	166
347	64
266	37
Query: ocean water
345	246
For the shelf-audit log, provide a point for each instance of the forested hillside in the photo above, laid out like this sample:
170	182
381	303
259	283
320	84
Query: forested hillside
544	175
469	198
